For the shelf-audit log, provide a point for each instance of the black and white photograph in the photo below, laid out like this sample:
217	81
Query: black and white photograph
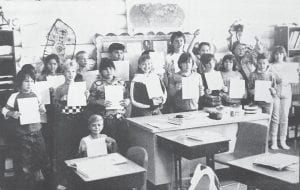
149	94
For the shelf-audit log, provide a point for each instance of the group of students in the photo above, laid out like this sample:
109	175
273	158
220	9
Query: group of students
67	135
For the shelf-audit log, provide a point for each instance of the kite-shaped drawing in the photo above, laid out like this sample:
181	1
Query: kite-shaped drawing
61	40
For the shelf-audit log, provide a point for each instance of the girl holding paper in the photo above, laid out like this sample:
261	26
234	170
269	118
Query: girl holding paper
278	60
186	86
51	67
23	110
110	99
68	123
147	92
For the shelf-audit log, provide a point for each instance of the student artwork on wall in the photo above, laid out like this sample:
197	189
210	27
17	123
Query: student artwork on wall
61	40
154	15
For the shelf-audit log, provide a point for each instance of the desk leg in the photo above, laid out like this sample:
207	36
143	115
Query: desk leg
180	172
210	161
176	172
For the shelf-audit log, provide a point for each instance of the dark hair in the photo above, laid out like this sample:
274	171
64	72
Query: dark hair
238	27
262	56
45	70
197	48
21	77
28	68
141	59
147	52
235	45
116	46
206	58
231	58
79	53
174	35
106	63
184	57
278	49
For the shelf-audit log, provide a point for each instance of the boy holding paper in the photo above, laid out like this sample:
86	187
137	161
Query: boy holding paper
23	111
69	100
186	86
96	144
110	99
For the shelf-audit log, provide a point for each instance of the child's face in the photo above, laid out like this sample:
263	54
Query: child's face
228	65
117	55
187	66
240	50
70	74
82	59
209	66
262	65
204	49
278	56
108	73
27	84
96	127
146	66
178	43
52	66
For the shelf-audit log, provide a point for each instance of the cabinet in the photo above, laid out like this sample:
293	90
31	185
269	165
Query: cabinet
289	37
7	65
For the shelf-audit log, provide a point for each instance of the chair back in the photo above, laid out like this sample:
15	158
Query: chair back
204	178
251	139
139	155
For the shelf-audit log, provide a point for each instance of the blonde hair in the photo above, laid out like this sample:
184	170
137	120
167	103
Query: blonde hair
69	65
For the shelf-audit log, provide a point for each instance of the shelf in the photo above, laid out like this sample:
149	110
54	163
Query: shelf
6	57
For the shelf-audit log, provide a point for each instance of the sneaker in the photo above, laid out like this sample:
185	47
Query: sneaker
274	147
284	145
60	187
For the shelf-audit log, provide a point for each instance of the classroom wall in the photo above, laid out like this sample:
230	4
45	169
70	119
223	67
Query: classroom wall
87	18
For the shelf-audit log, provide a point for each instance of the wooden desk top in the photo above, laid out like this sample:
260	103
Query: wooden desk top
161	123
104	167
290	176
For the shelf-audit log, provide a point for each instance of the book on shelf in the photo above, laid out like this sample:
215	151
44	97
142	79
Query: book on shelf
294	36
276	161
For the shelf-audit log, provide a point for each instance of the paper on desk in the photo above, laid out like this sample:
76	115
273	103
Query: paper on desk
122	69
237	88
29	110
276	161
55	81
96	147
42	89
76	94
114	94
214	80
190	88
89	77
158	61
262	91
153	86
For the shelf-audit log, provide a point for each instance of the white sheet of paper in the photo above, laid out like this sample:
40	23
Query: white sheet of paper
96	147
190	88
55	81
158	61
29	110
42	89
122	69
89	77
76	94
214	80
289	72
114	93
237	88
160	46
153	87
262	91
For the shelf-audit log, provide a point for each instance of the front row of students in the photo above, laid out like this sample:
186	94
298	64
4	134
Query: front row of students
69	122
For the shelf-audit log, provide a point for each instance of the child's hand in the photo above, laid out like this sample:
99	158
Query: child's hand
157	100
197	33
125	102
273	91
107	103
87	94
15	114
208	91
178	86
225	89
42	109
64	98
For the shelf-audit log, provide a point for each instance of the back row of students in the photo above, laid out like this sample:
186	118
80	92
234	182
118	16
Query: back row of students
68	123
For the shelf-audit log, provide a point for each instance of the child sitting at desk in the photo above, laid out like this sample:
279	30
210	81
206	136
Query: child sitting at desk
211	97
104	143
185	63
143	104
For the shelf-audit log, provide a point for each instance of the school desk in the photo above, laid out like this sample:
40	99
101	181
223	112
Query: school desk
111	171
245	172
144	131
